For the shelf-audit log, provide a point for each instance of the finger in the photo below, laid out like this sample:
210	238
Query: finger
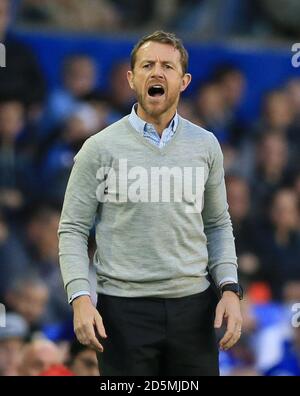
220	310
79	338
232	341
86	334
230	331
92	339
99	326
235	338
95	344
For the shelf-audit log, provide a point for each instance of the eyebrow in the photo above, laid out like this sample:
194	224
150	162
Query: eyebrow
154	61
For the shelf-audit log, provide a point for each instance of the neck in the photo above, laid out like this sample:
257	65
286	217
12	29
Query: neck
159	122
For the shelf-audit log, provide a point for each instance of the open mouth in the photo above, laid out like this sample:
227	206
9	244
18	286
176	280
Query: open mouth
156	90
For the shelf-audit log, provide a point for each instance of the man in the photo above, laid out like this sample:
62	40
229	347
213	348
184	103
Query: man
21	79
154	243
83	360
38	356
12	340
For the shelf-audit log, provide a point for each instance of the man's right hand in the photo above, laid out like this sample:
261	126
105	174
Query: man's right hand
88	322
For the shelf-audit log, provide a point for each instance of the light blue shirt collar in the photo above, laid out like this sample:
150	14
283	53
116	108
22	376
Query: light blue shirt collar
141	125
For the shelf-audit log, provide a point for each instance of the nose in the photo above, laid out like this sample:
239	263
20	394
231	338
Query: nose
157	71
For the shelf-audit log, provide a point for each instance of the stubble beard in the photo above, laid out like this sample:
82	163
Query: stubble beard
156	110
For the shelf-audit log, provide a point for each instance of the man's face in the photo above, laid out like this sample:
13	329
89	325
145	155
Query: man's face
85	364
158	78
10	355
80	76
39	357
11	118
30	302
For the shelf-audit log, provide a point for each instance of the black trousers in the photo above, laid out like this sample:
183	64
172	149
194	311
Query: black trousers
159	336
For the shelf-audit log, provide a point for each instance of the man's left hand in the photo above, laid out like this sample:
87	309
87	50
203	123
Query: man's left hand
229	309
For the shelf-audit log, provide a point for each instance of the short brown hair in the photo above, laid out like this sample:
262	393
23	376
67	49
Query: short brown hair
164	38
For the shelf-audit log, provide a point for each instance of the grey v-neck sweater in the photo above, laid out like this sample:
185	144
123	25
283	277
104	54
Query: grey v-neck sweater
155	236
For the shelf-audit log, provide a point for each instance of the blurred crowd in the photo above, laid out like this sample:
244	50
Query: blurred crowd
201	18
42	130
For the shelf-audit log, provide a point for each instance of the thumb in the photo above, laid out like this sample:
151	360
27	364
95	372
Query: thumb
220	310
99	326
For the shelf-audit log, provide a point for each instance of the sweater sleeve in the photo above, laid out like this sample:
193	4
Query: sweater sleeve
222	260
77	218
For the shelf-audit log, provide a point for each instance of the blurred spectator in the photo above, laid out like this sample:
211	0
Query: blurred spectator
217	102
291	293
42	241
259	292
120	94
21	79
186	110
278	344
17	178
230	157
279	115
38	356
79	80
56	164
28	297
232	83
12	338
135	13
238	195
279	242
288	361
211	110
277	118
278	111
13	257
205	18
283	14
82	15
270	171
83	360
295	184
213	18
293	91
57	370
79	75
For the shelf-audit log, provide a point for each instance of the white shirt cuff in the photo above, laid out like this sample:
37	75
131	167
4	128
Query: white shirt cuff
78	294
227	280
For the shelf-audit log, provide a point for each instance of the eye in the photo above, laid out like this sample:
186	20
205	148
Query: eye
168	67
146	66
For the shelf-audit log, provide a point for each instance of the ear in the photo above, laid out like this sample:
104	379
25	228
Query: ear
130	79
187	78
